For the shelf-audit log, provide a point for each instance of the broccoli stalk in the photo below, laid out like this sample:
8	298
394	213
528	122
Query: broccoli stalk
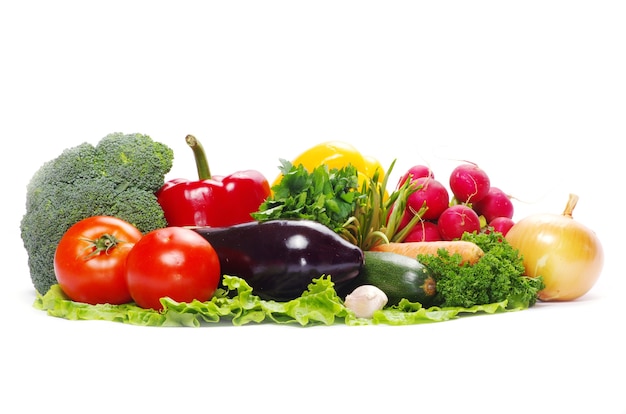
116	177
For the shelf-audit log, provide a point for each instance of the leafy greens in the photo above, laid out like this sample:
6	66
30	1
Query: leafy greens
326	196
236	303
498	275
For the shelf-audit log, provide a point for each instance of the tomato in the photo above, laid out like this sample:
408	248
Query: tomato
174	262
90	260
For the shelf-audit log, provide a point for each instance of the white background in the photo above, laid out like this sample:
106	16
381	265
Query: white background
534	92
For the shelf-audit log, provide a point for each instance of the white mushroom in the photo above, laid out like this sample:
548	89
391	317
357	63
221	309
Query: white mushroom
365	300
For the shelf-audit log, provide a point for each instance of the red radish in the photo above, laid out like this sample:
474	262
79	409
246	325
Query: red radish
469	183
495	204
431	192
423	231
502	224
415	172
456	220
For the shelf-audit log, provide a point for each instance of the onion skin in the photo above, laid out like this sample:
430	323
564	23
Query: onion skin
565	253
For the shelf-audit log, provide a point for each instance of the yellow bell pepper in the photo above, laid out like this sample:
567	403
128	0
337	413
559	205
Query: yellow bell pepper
338	154
371	165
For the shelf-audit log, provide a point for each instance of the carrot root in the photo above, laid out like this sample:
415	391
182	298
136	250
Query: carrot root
470	252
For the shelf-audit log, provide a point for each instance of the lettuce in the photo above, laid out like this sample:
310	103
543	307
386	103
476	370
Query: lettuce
236	304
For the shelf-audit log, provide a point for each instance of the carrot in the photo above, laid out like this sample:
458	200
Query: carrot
470	252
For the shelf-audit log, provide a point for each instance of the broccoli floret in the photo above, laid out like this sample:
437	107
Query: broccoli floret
117	177
135	160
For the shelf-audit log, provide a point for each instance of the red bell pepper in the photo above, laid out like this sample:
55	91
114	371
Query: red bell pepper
212	201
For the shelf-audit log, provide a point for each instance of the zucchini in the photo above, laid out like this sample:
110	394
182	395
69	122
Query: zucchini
398	276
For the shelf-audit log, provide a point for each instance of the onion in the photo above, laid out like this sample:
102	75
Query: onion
566	254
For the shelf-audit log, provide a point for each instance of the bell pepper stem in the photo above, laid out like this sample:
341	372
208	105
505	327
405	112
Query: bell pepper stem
204	173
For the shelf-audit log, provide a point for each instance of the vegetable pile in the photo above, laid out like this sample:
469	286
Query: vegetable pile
327	243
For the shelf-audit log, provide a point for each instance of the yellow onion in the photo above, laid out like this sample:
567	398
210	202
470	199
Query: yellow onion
565	253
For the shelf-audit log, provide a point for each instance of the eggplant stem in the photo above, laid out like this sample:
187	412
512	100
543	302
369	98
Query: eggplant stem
202	165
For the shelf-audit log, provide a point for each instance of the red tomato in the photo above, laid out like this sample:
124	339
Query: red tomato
90	260
175	262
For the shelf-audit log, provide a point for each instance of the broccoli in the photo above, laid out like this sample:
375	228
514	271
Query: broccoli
117	177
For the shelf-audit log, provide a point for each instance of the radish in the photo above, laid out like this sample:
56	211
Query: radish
423	231
415	172
430	193
502	224
456	220
495	204
469	183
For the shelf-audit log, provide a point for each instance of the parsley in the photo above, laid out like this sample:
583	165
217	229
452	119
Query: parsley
498	276
326	196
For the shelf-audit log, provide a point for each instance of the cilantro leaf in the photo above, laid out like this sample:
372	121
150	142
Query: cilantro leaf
328	196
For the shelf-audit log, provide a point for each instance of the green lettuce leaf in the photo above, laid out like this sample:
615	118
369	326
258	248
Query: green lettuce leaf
412	313
236	304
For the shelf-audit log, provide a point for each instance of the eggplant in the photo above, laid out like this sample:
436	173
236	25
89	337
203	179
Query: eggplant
280	258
